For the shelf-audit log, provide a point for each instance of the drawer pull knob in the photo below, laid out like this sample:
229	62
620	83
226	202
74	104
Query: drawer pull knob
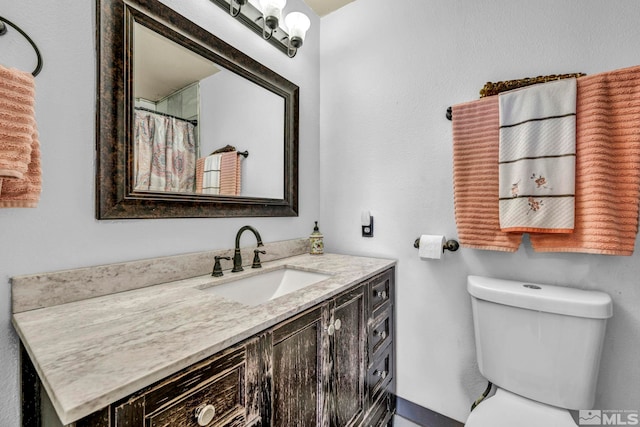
382	334
204	414
333	327
380	294
381	374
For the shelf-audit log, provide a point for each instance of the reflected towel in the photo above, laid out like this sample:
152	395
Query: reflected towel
20	170
537	158
209	174
230	174
607	167
475	177
199	174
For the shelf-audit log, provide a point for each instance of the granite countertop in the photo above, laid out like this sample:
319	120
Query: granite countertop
93	352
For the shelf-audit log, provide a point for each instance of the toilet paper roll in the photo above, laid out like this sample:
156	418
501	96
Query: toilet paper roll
431	246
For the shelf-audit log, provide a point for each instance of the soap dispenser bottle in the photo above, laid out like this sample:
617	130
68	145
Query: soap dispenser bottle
316	241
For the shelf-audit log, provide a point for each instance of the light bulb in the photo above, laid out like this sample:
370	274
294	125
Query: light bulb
297	23
272	11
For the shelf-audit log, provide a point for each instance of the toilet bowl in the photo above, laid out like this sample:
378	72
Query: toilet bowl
540	345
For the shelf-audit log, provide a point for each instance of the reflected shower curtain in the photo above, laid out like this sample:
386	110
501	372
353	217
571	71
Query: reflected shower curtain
164	153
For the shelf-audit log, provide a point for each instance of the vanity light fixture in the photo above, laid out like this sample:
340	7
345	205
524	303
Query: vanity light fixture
264	17
298	23
271	14
232	9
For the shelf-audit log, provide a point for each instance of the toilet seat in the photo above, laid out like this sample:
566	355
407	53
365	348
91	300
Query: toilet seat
506	409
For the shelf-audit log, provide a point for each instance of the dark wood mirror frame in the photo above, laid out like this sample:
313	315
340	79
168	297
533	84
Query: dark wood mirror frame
115	196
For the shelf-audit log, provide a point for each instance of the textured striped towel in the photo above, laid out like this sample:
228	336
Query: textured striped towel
211	174
20	167
607	167
537	158
199	174
230	172
475	177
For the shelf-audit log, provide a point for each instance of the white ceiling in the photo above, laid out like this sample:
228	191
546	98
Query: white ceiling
324	7
158	76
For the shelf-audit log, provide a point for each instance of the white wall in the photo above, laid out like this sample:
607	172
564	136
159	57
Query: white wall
389	70
62	232
242	114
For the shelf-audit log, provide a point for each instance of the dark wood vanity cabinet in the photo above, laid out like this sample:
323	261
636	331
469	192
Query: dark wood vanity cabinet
297	361
348	358
319	365
380	381
332	365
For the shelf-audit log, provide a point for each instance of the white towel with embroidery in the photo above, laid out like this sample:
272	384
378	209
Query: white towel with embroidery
537	158
211	175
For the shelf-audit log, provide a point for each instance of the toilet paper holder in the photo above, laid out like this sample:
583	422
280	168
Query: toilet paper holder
450	245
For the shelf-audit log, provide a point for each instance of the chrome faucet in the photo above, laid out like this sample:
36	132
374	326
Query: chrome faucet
237	257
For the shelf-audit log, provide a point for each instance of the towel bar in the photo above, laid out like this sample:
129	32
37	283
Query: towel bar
450	245
228	148
491	89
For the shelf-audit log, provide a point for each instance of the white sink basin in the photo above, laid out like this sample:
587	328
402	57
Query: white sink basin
265	286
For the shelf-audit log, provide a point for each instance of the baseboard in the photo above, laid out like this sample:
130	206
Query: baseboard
423	416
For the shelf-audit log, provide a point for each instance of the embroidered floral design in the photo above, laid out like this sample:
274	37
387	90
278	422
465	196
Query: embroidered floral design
541	181
514	189
534	205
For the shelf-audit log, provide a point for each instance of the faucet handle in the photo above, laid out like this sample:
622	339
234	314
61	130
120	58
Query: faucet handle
217	269
256	258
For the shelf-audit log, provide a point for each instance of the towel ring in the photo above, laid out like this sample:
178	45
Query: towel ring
3	30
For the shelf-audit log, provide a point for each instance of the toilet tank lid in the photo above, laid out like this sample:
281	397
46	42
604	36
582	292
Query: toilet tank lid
539	297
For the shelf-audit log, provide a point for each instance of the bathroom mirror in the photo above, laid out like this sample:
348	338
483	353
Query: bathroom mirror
187	125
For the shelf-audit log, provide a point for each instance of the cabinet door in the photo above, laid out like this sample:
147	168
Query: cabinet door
297	371
348	355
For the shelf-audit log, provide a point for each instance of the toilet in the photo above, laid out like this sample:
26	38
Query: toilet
540	346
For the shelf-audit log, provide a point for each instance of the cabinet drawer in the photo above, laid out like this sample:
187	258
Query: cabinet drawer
381	288
381	412
218	381
380	332
223	398
380	373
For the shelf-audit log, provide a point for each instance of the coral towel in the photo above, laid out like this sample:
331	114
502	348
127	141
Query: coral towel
537	158
607	167
20	170
475	177
230	174
607	170
199	174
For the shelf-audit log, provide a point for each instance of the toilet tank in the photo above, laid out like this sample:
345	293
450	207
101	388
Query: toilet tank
542	342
